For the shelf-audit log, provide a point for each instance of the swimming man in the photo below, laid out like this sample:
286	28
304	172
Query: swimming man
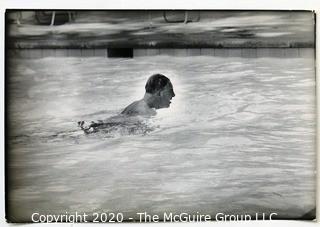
159	92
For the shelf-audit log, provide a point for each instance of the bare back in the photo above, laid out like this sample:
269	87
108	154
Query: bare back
139	108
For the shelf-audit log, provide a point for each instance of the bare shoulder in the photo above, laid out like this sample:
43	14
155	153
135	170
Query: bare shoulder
138	108
131	108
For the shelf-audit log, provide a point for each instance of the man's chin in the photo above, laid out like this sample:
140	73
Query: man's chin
163	107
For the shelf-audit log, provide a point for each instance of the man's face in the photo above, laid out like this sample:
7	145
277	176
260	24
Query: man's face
166	95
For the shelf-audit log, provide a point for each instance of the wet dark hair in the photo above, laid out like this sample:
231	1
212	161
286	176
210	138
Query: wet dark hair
156	83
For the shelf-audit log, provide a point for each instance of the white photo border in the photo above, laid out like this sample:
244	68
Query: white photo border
163	4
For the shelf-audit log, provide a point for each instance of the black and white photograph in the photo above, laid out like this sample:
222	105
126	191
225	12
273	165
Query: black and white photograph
159	115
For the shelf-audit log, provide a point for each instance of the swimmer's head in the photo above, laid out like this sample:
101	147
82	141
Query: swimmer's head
161	89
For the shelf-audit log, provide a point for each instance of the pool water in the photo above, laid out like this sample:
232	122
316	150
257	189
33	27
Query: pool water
239	137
